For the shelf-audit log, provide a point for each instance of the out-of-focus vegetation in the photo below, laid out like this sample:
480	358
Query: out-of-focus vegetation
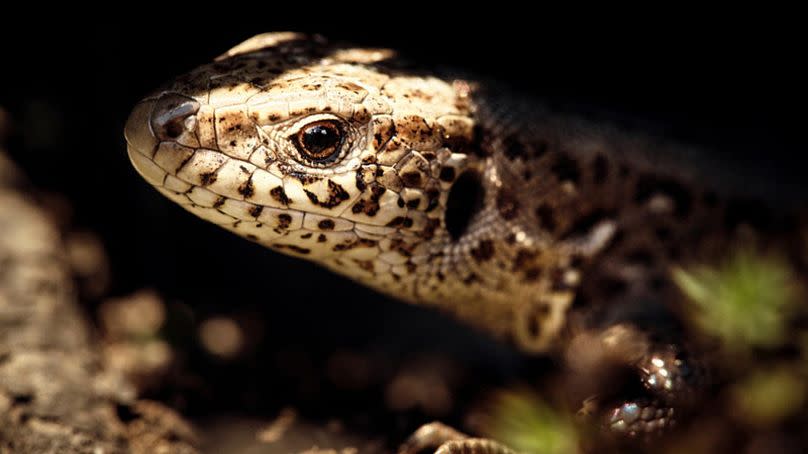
526	423
749	304
745	302
744	312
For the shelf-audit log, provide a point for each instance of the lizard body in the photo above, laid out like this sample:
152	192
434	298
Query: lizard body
437	189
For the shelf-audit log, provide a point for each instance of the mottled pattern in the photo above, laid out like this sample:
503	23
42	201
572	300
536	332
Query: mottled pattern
444	190
217	141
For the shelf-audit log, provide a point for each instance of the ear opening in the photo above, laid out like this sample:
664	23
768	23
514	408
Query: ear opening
465	200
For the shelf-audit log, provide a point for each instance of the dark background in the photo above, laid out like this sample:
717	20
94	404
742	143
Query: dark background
733	85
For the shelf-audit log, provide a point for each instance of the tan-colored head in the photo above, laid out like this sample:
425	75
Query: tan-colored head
320	151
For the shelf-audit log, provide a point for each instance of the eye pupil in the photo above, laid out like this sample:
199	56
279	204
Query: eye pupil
320	141
318	138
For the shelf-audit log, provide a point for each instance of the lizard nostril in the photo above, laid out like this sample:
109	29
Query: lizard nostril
170	116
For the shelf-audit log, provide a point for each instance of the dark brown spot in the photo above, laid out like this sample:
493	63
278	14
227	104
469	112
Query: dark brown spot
524	258
471	278
413	204
360	181
207	178
312	197
532	274
402	247
533	321
397	221
447	174
284	221
535	318
352	87
484	251
382	136
336	195
279	194
247	189
359	206
256	211
546	217
433	197
321	238
354	244
566	169
219	202
411	179
306	236
512	148
326	224
481	145
507	205
305	178
343	246
366	265
430	227
293	248
369	206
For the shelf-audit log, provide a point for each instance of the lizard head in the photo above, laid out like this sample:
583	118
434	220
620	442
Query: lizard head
332	153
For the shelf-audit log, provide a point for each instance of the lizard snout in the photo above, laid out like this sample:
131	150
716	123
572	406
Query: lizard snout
172	116
169	117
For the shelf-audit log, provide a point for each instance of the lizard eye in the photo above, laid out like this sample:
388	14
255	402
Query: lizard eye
320	142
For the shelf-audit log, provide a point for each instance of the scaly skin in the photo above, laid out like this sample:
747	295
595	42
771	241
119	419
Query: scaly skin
442	190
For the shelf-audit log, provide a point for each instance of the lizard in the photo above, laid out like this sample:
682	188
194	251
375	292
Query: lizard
449	191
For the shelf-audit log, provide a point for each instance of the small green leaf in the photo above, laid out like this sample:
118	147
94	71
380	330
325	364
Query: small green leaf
523	421
745	302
